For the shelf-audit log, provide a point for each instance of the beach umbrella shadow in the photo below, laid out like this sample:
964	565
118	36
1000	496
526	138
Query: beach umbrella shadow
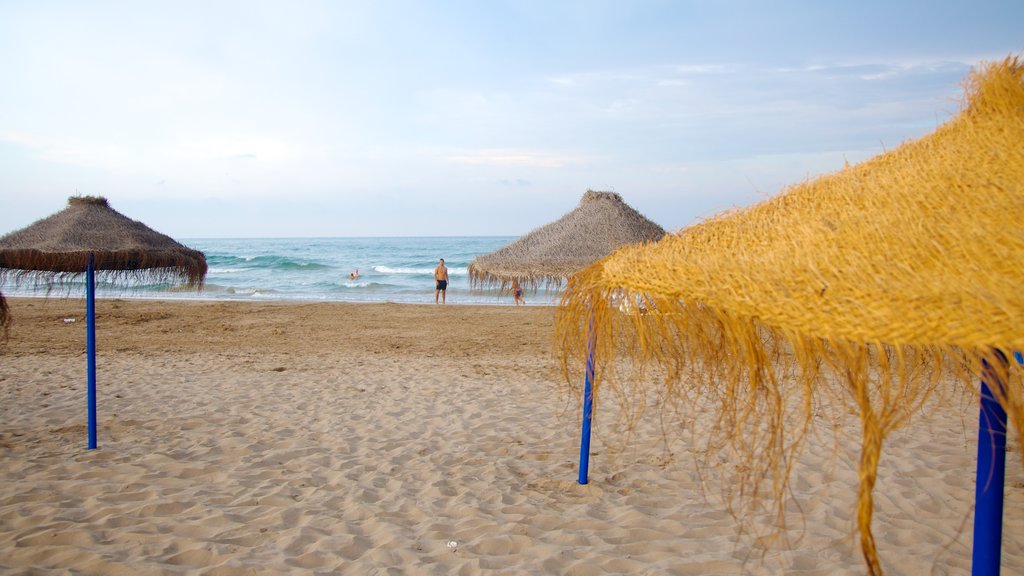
869	291
86	237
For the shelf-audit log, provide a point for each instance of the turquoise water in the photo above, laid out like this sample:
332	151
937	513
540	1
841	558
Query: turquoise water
317	269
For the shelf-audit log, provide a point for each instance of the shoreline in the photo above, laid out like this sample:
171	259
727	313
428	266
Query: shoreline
498	301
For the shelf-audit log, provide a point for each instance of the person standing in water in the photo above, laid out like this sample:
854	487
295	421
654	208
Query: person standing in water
441	281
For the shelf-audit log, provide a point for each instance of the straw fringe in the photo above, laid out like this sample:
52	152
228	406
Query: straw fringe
768	387
54	269
845	295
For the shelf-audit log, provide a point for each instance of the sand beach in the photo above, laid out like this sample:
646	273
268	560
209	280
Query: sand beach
287	438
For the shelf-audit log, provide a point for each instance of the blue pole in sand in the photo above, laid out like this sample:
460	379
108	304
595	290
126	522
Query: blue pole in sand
990	477
90	346
588	406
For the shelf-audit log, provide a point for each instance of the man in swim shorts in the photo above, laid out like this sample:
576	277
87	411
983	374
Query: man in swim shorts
441	278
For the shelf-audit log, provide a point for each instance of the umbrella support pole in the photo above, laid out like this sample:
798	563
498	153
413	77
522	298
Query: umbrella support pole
90	347
990	478
588	406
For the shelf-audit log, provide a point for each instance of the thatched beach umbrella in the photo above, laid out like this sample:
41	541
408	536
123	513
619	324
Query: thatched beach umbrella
548	255
600	224
866	292
85	237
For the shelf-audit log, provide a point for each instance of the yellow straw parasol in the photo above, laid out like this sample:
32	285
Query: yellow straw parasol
85	237
600	223
865	292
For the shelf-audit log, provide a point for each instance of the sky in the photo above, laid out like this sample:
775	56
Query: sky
449	118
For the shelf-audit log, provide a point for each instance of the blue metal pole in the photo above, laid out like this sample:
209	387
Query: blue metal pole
90	346
588	406
990	477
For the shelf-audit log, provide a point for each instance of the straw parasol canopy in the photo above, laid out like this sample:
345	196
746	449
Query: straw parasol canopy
862	294
60	245
57	249
548	255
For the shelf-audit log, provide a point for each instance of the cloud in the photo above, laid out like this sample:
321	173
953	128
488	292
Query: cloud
655	74
590	77
518	182
671	168
512	157
701	69
207	148
22	139
651	75
185	152
881	69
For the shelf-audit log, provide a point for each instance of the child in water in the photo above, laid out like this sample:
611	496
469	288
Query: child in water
517	293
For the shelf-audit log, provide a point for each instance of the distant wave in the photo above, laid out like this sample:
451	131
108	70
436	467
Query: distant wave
419	271
250	291
365	285
225	264
215	290
226	260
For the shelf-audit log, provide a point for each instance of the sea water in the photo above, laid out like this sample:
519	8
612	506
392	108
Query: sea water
397	269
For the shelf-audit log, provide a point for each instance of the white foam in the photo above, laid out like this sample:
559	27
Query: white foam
462	271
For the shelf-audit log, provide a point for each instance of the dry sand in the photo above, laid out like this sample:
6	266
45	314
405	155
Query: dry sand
247	438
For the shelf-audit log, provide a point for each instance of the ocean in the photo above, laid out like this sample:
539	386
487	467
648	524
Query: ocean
317	269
